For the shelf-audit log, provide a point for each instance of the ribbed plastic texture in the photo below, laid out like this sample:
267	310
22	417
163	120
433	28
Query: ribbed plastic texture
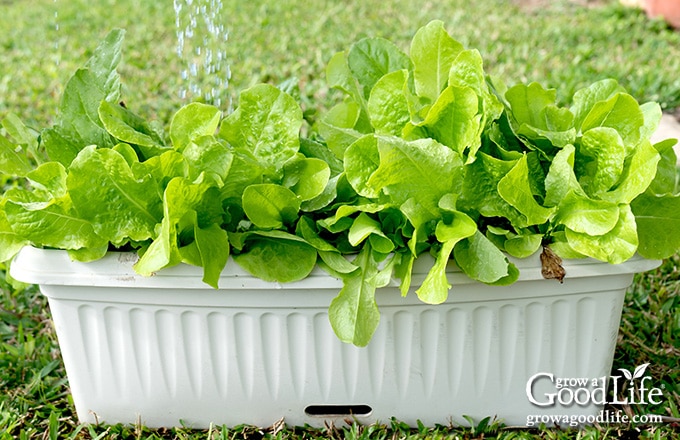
136	349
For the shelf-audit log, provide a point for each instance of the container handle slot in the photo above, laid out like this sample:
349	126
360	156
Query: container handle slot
338	410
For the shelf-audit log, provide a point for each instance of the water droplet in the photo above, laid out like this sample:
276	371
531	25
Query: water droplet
201	35
57	50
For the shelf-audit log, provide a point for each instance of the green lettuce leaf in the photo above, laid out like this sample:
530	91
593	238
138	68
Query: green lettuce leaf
338	127
479	259
270	206
193	121
54	224
26	138
515	189
523	246
362	159
274	255
78	124
652	114
388	105
467	70
188	209
433	51
119	205
45	215
435	287
480	189
620	112
585	215
561	177
306	177
266	125
212	245
615	246
354	314
208	156
10	241
422	169
638	173
666	179
245	170
372	58
162	169
126	126
584	99
452	120
658	224
13	160
601	156
535	116
364	227
340	77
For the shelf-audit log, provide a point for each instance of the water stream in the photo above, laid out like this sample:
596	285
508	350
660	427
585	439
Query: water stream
57	49
201	46
202	39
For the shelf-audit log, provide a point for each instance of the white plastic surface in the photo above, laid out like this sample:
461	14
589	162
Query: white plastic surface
168	348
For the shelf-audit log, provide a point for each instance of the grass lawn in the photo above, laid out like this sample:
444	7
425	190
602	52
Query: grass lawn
560	44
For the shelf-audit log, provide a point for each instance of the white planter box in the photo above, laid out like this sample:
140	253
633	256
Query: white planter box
167	348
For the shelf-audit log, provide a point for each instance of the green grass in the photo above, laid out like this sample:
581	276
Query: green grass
561	45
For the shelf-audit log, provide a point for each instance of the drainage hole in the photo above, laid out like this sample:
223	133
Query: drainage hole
338	410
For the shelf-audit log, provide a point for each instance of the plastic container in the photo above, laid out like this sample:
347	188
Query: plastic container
167	349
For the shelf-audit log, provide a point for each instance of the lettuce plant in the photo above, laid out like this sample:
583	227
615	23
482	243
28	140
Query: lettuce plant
424	154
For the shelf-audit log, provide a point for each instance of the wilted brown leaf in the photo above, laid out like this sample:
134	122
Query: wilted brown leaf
551	265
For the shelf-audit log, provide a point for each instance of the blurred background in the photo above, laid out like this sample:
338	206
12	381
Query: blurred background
564	44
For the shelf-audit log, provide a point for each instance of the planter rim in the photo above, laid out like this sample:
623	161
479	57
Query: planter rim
115	269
